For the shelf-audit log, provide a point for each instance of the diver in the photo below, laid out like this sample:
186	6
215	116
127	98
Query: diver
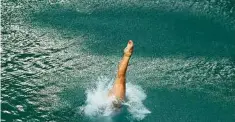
118	90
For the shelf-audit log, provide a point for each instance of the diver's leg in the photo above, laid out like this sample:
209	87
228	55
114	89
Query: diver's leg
119	87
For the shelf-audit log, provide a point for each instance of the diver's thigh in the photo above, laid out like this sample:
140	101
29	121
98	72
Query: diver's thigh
119	90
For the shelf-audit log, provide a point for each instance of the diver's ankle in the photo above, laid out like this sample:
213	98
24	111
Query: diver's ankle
127	54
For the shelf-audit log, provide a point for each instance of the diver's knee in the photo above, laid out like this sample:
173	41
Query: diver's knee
121	75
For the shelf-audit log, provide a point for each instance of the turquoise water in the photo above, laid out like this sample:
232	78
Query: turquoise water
54	52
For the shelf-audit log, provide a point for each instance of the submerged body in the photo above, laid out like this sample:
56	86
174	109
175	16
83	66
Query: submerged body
119	88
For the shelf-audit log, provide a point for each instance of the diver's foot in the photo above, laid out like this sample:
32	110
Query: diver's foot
129	48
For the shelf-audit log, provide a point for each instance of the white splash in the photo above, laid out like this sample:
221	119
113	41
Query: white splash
99	105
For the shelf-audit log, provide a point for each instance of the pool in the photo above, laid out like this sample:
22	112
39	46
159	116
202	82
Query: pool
55	53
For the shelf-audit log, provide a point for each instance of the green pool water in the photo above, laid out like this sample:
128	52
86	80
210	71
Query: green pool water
54	52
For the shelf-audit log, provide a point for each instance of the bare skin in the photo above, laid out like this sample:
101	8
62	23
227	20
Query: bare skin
119	88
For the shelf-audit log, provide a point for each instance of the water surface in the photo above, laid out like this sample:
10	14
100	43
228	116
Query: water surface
55	51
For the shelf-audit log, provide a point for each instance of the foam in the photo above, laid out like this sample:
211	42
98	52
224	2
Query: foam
99	105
